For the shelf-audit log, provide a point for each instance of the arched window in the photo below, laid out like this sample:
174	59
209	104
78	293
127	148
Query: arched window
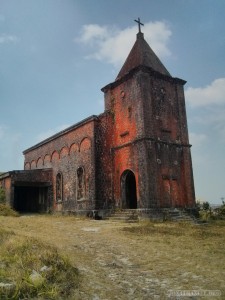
80	183
59	187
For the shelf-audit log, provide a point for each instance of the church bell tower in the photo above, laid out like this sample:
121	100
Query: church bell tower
151	159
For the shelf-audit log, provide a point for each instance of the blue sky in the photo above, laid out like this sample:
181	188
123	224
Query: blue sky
56	55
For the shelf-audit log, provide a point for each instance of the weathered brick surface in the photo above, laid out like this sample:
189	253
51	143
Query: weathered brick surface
65	153
5	183
104	161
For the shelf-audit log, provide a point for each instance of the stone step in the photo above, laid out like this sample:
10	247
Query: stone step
126	212
123	220
184	217
174	214
130	216
124	217
181	217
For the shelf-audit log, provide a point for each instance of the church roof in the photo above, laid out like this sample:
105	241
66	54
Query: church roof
142	55
63	132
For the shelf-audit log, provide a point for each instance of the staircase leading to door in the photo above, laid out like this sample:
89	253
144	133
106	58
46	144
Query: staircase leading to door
125	215
134	215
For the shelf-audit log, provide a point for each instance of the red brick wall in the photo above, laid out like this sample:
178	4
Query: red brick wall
104	161
65	154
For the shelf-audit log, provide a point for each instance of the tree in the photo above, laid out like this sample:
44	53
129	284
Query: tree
222	208
2	195
205	206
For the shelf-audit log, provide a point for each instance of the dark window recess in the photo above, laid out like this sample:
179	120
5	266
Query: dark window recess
165	130
59	187
129	112
80	183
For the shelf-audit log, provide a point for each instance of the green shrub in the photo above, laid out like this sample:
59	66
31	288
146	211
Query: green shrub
221	211
2	195
205	206
6	210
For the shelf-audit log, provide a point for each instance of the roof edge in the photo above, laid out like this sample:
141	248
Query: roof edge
144	69
5	175
60	133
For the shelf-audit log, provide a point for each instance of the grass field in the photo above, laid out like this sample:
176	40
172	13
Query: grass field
116	260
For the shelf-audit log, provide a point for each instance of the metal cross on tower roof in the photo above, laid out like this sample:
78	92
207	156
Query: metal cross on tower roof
139	24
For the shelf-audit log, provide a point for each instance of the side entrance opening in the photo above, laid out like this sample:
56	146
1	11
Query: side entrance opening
33	199
128	190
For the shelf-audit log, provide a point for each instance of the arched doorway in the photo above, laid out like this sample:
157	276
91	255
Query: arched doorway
128	190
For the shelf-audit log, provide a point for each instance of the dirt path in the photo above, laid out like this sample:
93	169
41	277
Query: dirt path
116	265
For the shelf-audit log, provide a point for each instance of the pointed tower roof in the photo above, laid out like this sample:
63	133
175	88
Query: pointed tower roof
142	55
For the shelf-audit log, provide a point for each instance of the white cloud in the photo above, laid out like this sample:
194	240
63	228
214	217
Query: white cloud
213	94
210	118
44	135
6	38
93	32
215	118
112	45
158	35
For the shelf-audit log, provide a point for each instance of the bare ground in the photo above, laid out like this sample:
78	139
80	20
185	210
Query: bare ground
118	264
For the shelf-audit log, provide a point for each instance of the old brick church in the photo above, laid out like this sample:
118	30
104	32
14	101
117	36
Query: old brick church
135	155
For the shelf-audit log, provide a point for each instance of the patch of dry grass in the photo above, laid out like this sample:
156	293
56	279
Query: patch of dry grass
192	256
30	269
213	230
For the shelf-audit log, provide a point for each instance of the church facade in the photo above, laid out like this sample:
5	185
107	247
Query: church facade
135	155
